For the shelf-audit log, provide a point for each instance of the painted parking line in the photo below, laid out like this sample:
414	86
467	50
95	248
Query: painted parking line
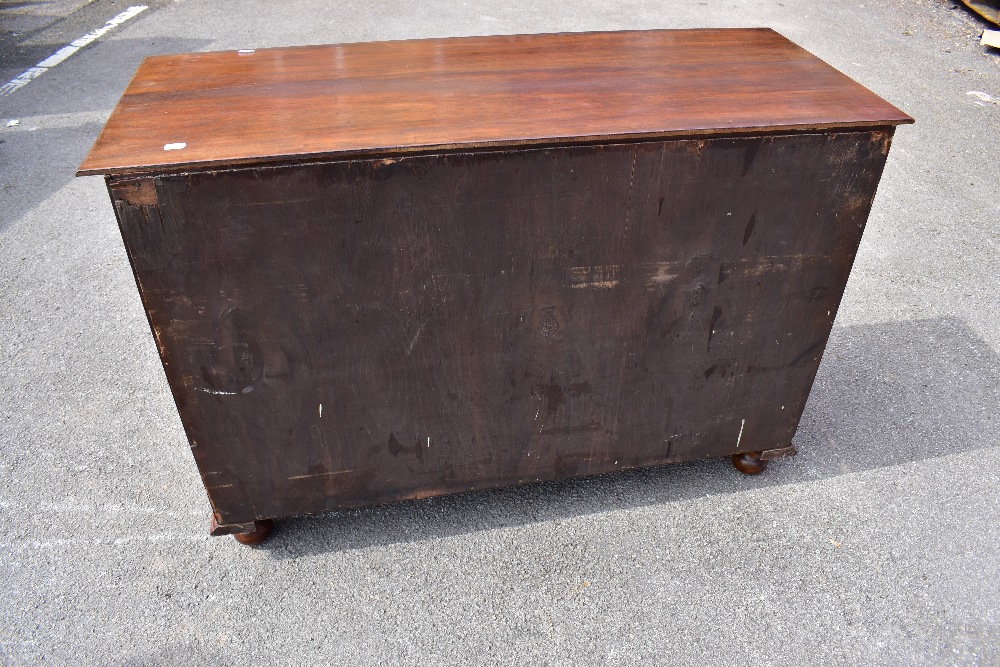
65	52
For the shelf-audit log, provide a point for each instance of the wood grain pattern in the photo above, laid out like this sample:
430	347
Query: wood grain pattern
287	104
364	331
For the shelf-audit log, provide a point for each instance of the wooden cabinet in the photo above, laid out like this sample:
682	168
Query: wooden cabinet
395	270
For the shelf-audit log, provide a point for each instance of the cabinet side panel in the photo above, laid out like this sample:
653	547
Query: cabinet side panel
358	332
149	244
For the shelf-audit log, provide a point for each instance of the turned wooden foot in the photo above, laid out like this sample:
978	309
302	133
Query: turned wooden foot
749	463
260	532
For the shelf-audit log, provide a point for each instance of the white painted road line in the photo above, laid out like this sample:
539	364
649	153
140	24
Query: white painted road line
65	52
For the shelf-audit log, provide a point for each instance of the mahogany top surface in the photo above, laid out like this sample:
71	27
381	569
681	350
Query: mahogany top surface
314	102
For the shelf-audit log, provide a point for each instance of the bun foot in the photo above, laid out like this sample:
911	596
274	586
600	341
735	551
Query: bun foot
259	533
749	463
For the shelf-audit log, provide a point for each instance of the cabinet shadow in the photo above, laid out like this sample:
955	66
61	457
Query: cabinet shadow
885	395
35	163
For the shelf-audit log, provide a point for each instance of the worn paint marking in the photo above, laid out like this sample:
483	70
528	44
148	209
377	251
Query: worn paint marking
610	275
217	392
599	284
661	273
983	97
414	341
595	277
716	314
32	73
321	474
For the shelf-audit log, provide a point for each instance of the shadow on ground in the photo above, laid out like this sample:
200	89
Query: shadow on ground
886	395
36	163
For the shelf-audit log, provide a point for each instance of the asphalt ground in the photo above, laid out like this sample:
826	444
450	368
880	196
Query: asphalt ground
878	544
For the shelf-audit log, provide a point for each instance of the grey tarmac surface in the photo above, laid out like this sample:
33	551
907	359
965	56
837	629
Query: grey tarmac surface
878	544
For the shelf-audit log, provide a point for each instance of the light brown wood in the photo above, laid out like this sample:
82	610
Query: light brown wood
386	98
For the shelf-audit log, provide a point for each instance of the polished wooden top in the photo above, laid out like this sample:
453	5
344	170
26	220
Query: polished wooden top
211	110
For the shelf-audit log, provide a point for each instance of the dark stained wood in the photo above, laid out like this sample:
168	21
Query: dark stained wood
288	104
369	330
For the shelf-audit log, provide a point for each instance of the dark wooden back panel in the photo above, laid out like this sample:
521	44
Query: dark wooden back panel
474	320
280	105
